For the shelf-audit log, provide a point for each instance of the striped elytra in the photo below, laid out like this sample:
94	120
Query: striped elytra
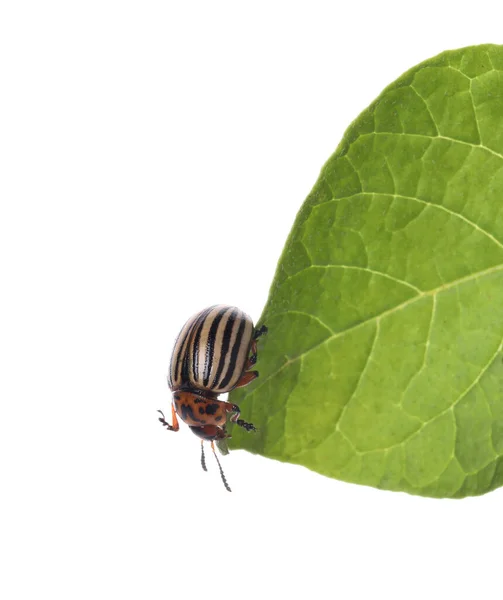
211	350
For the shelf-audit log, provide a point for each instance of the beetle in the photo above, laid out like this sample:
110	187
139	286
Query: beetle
212	355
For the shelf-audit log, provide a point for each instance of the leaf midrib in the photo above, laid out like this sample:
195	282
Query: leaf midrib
385	313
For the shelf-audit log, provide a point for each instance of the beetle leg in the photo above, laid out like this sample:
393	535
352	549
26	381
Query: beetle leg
260	331
234	408
253	352
253	349
245	425
246	378
253	355
175	426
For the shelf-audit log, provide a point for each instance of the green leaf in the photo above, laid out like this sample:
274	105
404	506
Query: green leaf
383	363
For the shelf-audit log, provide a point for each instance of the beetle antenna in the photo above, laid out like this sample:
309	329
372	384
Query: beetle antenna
203	460
220	468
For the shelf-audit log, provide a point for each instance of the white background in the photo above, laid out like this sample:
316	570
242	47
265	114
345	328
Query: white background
153	158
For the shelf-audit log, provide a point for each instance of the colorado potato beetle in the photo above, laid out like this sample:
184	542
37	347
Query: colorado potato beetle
213	354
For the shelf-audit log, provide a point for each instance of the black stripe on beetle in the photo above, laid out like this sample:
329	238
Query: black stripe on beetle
225	346
195	342
234	352
210	346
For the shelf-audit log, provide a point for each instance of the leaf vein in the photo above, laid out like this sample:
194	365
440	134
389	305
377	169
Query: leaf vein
313	317
435	137
372	271
359	380
426	348
475	111
426	106
426	203
445	410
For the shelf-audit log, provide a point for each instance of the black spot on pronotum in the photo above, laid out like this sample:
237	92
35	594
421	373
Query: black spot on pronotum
211	409
188	412
201	410
176	396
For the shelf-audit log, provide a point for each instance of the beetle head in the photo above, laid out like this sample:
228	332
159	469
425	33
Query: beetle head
209	432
